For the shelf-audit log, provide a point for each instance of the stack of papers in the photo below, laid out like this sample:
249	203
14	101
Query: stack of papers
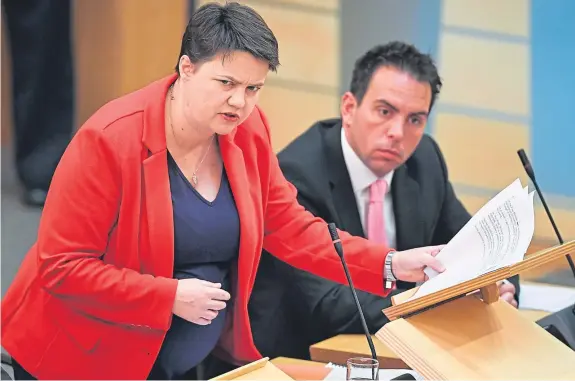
498	235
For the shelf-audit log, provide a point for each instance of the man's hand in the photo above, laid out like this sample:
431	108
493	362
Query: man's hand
408	265
198	301
507	293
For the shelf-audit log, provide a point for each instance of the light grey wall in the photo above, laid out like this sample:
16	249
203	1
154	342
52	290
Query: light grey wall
366	23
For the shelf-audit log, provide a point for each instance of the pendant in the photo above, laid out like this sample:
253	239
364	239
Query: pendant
194	180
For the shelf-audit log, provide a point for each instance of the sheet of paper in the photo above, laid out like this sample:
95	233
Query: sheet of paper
498	235
545	297
339	372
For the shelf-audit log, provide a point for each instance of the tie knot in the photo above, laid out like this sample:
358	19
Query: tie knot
377	190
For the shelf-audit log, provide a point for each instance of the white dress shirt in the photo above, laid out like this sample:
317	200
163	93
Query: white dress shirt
361	179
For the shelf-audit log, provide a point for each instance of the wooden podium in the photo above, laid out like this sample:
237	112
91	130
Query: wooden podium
261	369
466	332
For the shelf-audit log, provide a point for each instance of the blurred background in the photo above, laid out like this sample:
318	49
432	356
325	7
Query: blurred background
506	66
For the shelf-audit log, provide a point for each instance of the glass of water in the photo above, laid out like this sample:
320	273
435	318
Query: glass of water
362	368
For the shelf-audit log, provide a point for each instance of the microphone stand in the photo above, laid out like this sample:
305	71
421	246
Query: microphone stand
339	250
560	324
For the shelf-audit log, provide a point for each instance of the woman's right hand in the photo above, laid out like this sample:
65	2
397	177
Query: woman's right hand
198	301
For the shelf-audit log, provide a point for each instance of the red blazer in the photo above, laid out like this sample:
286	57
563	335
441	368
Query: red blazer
93	298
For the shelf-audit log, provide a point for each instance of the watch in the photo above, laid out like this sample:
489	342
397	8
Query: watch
388	272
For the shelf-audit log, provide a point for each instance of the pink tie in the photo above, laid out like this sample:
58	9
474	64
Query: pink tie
375	222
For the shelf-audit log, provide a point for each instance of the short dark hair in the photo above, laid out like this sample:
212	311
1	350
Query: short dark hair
215	28
401	56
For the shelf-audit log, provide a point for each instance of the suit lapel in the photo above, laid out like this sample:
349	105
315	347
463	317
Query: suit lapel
341	188
235	166
156	181
160	214
405	190
408	222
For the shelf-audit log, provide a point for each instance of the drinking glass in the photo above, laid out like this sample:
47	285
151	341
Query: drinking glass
362	368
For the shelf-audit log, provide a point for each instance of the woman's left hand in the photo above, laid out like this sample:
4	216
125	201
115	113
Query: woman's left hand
198	301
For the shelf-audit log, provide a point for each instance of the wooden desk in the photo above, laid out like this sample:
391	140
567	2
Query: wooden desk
280	361
301	369
534	315
340	348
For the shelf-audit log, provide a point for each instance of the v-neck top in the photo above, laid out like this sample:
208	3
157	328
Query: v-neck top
206	243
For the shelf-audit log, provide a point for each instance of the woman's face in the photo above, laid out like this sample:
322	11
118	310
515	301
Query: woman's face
221	93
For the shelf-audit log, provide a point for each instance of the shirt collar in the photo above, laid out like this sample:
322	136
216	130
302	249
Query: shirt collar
361	176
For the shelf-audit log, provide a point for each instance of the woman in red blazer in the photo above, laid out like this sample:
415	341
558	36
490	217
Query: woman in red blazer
97	296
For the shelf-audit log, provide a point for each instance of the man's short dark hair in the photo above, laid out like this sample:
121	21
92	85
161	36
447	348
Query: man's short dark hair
222	29
398	55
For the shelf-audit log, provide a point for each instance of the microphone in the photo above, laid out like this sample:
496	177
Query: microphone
529	170
560	324
339	250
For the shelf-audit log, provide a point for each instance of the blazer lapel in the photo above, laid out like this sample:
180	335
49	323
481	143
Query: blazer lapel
234	164
160	214
341	188
157	182
408	223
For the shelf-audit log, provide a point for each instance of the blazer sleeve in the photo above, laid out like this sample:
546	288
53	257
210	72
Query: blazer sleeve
295	236
330	306
79	214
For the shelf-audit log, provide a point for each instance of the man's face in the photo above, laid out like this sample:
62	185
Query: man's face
221	93
388	125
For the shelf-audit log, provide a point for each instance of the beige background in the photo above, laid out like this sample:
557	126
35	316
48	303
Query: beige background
124	44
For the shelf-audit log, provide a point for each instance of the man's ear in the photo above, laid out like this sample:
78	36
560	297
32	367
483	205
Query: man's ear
347	108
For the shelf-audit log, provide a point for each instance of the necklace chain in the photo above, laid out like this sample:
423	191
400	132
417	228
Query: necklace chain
194	179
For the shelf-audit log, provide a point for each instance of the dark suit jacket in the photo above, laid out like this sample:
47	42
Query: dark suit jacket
290	309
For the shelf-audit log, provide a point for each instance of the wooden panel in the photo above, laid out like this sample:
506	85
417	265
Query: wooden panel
472	202
291	112
119	45
485	74
481	152
534	315
98	55
490	293
308	43
564	218
404	306
261	369
545	269
507	16
342	347
339	348
323	4
304	370
331	5
153	33
316	5
139	43
468	339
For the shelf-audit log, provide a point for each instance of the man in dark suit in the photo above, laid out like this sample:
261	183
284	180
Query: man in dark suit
378	142
41	45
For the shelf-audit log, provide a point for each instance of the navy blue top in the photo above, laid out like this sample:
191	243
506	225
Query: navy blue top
206	238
